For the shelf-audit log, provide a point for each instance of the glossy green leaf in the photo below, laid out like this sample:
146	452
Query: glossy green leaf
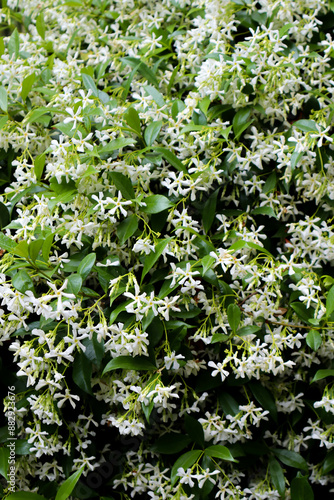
265	398
94	349
132	119
186	460
194	429
151	259
320	374
119	143
248	330
14	44
25	495
129	363
39	163
301	489
127	228
330	302
277	475
228	404
219	451
89	83
40	25
82	372
3	121
4	215
151	132
142	68
47	246
153	92
170	443
156	203
123	184
22	282
306	125
291	458
264	211
67	487
314	339
241	121
209	212
233	316
74	283
86	265
328	464
171	158
4	457
27	85
3	99
7	243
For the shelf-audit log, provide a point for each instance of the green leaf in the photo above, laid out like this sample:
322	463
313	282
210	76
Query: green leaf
170	443
132	119
277	476
177	107
151	132
65	197
228	404
142	68
39	163
171	158
94	349
265	398
3	99
86	265
24	495
330	302
129	363
241	122
328	464
47	246
320	374
151	259
306	125
264	211
22	447
191	127
295	157
40	25
67	487
27	85
209	211
194	429
3	121
74	284
4	215
123	184
301	489
156	203
22	282
34	248
313	340
153	92
4	457
207	262
127	228
302	312
7	243
14	44
82	373
119	143
89	84
291	458
248	330
219	451
186	460
233	316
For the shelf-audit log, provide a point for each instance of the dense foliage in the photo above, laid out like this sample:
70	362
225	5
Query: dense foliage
167	290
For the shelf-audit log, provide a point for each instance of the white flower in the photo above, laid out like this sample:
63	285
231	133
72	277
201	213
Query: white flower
67	397
218	369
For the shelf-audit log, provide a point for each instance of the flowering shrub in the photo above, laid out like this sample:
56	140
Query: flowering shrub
167	295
